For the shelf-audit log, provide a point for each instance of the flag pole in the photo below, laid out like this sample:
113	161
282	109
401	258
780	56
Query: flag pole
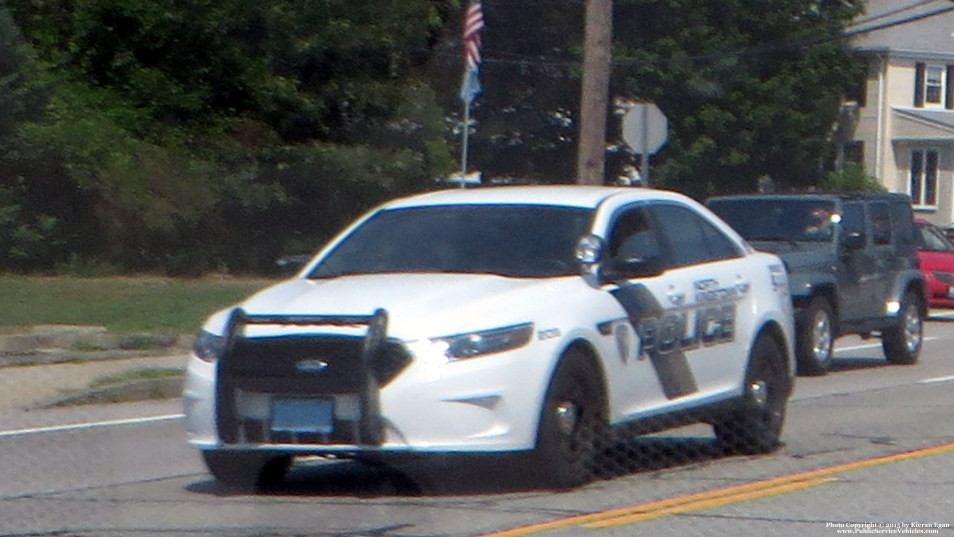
470	85
464	143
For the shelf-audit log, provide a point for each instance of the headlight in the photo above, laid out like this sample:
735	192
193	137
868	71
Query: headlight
208	347
474	344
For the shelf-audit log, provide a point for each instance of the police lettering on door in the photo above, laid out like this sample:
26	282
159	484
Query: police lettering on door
665	334
708	320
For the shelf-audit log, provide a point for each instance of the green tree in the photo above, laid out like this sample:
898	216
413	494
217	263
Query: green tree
749	87
157	123
187	135
851	178
525	118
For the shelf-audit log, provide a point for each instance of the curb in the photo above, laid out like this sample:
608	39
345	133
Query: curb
73	346
60	344
167	388
60	356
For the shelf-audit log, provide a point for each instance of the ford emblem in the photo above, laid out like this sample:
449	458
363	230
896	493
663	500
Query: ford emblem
311	366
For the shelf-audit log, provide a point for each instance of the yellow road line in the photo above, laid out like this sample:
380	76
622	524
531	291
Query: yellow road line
714	498
716	501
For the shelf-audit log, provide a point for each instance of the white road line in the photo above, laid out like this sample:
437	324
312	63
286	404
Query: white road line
938	379
90	425
872	345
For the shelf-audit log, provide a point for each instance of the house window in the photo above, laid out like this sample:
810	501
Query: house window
854	152
932	86
858	91
923	181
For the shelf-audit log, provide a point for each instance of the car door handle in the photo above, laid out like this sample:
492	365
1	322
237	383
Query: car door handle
676	297
741	285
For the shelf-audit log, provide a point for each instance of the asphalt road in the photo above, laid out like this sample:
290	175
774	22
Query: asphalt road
869	449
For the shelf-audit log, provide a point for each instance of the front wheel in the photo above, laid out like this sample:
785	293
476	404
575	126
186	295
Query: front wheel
902	343
815	338
246	469
756	426
572	424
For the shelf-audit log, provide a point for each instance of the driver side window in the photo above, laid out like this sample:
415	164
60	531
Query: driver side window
632	238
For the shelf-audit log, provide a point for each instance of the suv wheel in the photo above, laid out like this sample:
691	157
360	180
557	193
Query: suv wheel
756	426
815	338
902	342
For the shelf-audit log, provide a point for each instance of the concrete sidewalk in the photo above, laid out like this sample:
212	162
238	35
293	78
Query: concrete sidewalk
49	365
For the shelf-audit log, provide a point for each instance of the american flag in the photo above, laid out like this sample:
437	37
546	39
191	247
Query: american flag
473	24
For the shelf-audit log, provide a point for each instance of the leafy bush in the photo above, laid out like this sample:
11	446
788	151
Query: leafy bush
852	178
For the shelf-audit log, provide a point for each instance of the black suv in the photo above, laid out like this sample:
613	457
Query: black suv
852	262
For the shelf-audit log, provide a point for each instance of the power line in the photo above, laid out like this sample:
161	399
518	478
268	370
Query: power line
891	24
493	57
888	13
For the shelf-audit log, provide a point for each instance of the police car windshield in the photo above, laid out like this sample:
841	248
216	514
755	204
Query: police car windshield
511	240
789	220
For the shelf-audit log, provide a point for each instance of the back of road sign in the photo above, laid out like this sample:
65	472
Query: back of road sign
645	128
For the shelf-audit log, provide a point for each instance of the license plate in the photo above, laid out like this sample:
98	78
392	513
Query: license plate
303	416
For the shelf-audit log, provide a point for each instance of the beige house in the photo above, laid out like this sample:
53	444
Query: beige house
901	124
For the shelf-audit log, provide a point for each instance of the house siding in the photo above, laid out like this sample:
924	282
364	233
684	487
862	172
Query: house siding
891	122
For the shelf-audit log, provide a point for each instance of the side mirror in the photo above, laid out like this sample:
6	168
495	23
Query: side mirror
589	252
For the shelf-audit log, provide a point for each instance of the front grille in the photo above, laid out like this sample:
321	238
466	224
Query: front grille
274	362
255	371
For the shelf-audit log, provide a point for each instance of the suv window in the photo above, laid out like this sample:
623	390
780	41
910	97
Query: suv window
853	219
691	239
903	220
880	223
802	220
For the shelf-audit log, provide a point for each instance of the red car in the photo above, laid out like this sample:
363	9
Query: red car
937	264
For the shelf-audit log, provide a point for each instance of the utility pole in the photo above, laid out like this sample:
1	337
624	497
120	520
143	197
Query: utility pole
594	96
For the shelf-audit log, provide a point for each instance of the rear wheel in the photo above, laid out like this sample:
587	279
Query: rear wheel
815	338
902	342
756	426
246	469
572	424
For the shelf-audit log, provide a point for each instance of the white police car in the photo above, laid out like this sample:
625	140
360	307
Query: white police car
532	318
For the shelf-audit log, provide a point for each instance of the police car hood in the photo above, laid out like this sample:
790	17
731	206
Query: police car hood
418	305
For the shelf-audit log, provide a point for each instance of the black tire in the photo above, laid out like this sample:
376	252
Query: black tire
756	425
815	338
902	343
247	469
572	425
